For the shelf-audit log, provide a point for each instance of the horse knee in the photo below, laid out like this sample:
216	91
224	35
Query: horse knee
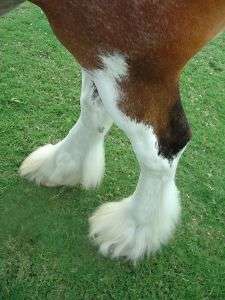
176	135
157	151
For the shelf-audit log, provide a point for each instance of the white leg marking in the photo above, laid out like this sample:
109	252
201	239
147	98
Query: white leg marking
140	224
79	158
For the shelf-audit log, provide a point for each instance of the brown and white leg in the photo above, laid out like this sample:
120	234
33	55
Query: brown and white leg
141	223
79	158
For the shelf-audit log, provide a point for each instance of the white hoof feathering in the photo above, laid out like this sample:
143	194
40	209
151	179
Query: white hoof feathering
52	165
119	231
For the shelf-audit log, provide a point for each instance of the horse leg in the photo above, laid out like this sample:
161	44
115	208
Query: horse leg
79	157
141	223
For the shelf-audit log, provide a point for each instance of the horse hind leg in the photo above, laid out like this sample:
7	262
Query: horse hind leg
79	158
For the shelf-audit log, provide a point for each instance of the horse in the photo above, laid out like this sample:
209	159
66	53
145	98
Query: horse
131	55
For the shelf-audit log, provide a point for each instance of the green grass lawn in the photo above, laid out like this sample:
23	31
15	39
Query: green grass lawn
44	249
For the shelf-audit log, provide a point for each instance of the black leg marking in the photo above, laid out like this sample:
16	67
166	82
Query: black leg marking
177	134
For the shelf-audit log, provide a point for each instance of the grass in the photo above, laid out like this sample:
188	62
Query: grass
44	249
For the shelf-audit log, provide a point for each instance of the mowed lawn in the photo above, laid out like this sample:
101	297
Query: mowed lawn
45	252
